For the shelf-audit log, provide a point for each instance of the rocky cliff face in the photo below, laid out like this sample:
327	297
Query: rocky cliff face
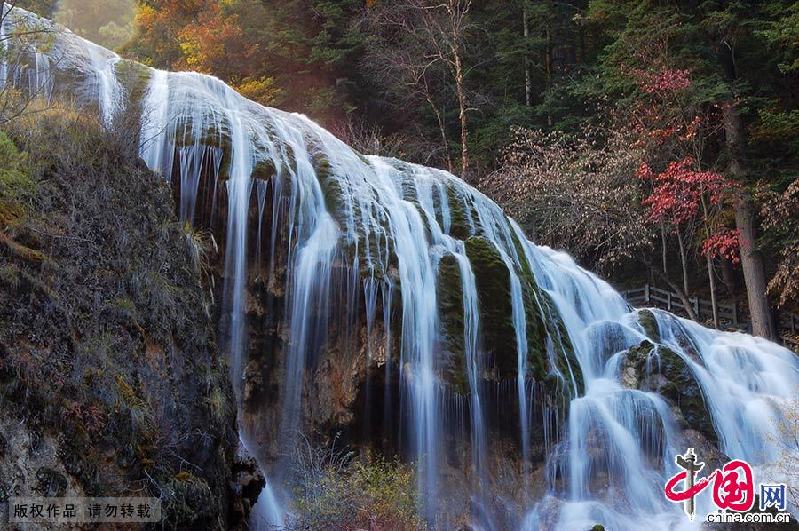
111	381
354	375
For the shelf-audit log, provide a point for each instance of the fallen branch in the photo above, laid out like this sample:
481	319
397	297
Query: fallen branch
21	251
686	302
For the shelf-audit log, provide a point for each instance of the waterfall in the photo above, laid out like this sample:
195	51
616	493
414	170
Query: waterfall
4	45
23	65
109	91
471	322
356	238
155	119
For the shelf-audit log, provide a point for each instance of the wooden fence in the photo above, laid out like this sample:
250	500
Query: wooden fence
730	317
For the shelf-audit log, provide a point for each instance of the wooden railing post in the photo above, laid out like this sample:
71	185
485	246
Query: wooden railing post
652	296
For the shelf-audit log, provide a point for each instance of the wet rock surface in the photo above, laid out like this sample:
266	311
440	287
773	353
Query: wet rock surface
651	367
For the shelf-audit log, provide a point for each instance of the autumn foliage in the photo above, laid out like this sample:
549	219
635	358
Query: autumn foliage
659	73
678	191
667	80
724	244
781	216
207	43
681	193
576	192
202	36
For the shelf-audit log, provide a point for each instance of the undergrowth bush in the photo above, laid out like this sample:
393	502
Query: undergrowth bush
15	181
335	490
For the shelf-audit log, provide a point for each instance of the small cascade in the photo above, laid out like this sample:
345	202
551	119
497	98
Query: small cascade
747	382
21	63
267	512
108	88
40	81
5	24
155	120
489	349
471	322
239	185
417	282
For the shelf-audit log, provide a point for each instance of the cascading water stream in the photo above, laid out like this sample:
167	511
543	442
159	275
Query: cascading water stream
737	374
353	234
471	322
5	22
155	119
417	282
109	91
28	67
747	381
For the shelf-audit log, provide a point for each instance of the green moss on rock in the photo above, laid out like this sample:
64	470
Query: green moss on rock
334	196
685	392
450	303
264	170
459	226
496	316
537	302
321	166
650	325
658	368
135	77
497	329
565	359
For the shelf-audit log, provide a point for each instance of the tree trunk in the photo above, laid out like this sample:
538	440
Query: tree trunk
751	261
440	119
683	262
459	89
528	80
711	275
754	272
663	250
728	278
442	130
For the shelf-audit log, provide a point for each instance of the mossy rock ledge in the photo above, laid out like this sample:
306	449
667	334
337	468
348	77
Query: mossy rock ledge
498	337
450	303
546	329
497	331
649	323
652	367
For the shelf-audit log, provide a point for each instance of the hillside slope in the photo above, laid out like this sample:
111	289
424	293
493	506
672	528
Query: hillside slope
110	379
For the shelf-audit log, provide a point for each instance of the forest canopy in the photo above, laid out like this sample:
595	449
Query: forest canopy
670	128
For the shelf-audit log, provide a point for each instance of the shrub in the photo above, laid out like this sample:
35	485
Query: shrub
335	491
15	182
